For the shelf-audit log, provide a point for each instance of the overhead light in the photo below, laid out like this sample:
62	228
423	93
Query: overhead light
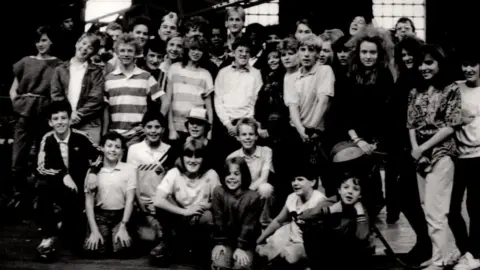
95	9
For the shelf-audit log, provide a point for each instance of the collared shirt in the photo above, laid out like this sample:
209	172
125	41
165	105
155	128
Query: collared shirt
218	60
113	184
305	89
63	144
127	96
77	72
260	162
236	92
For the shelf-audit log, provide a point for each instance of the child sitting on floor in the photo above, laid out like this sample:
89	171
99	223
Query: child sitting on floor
336	234
287	241
236	210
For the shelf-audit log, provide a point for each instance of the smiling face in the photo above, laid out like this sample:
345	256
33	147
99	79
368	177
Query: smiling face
274	60
326	53
429	67
368	53
233	180
407	59
242	55
192	163
112	150
195	55
84	49
357	24
247	136
167	29
140	32
126	54
302	186
60	122
174	48
43	44
350	191
153	131
196	128
153	59
471	71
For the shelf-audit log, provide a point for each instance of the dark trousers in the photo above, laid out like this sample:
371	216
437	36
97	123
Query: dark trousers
467	176
223	145
410	204
28	133
393	170
52	192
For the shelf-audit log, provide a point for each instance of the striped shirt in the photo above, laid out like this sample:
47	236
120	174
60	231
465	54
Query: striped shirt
190	89
127	97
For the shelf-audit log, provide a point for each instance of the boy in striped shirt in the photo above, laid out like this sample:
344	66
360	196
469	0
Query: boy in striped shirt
127	90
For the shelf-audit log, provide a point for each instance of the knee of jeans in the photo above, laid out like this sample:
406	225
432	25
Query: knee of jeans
224	260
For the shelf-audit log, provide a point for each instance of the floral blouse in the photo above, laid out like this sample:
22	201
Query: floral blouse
431	110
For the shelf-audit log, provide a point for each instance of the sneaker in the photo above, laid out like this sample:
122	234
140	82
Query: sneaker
434	267
46	249
467	262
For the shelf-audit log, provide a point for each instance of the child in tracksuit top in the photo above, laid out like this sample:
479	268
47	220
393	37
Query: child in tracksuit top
236	210
64	159
336	234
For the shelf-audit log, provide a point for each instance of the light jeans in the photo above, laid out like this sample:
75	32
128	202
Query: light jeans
438	190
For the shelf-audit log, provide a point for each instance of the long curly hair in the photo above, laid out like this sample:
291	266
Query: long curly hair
381	38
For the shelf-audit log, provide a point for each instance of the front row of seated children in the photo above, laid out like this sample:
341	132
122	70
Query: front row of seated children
189	203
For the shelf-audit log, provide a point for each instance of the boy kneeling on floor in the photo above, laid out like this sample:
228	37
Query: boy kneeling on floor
110	205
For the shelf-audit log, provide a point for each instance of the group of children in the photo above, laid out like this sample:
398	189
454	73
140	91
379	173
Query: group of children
193	140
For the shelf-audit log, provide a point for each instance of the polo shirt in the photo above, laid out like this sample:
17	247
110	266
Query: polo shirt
113	184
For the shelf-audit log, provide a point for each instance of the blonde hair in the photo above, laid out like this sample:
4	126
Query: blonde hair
127	38
311	41
236	9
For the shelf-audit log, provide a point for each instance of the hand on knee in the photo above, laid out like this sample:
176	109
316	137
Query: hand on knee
265	190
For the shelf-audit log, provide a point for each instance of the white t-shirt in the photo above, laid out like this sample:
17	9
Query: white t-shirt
188	191
468	136
113	185
295	204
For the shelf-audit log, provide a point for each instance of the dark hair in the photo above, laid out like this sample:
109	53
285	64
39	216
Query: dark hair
256	28
59	106
358	71
114	26
223	30
43	30
356	181
241	42
244	170
469	54
412	45
341	44
273	29
193	148
152	115
444	75
156	45
113	136
196	22
195	42
406	20
306	170
142	20
106	39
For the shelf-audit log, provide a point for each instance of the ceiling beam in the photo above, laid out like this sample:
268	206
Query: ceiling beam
222	6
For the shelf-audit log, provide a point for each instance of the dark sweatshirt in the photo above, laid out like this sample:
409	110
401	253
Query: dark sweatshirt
236	218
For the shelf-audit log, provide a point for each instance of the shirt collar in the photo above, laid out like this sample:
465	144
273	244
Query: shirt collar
311	72
160	148
65	141
75	63
241	69
118	71
117	167
256	154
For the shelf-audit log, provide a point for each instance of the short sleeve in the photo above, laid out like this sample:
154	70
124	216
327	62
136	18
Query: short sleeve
19	68
290	96
168	182
291	202
131	156
453	114
132	177
327	81
209	88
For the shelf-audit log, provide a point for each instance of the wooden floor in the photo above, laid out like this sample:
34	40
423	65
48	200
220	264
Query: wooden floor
18	242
